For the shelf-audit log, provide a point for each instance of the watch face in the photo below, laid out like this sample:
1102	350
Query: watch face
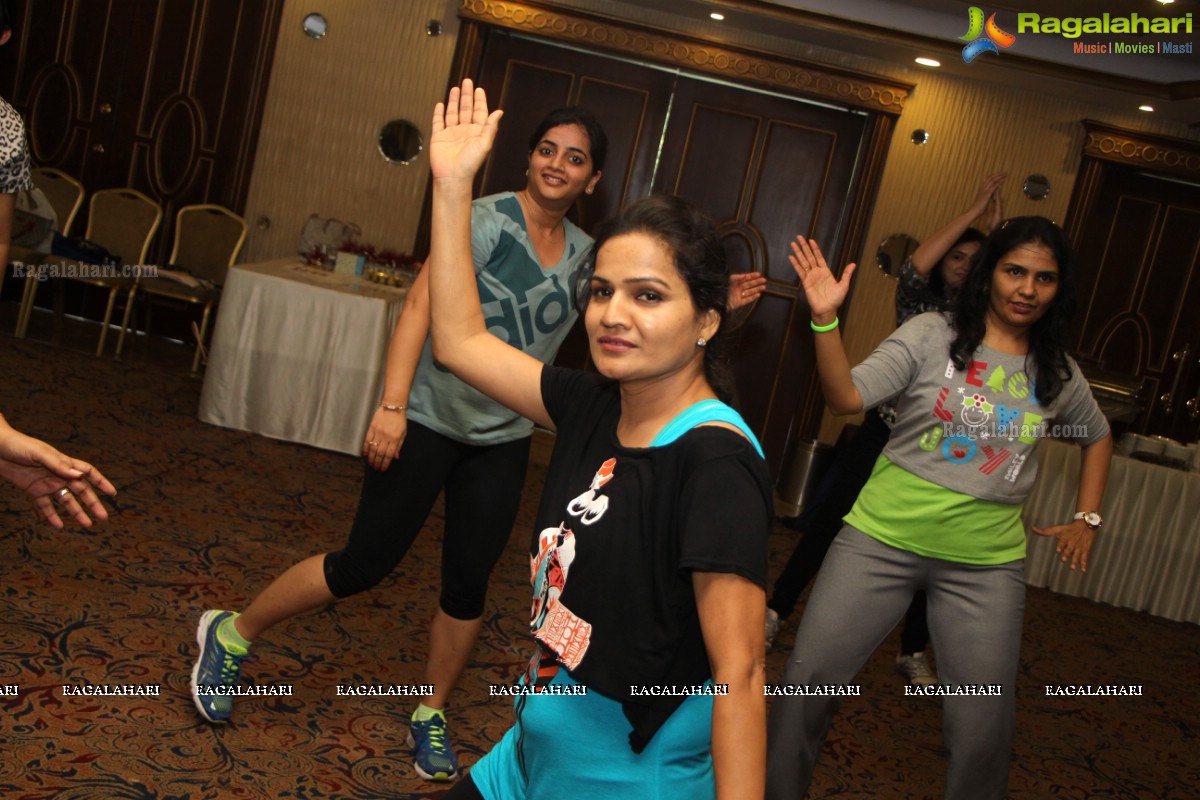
1093	519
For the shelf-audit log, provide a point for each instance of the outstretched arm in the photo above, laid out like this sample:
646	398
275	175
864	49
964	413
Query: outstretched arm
463	133
825	295
48	476
933	249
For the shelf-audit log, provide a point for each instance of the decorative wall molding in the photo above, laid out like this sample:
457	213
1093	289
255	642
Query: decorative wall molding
837	86
1141	150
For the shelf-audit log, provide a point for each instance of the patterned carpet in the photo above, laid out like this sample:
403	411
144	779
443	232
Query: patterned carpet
206	517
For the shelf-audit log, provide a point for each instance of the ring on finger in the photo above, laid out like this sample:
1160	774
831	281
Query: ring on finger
63	493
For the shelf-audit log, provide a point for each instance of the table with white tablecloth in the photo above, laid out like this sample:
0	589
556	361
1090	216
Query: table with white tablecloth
1147	554
298	353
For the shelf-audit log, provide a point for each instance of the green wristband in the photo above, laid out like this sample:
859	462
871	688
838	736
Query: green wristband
823	328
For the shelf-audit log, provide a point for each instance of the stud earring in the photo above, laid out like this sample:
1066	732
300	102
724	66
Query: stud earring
701	342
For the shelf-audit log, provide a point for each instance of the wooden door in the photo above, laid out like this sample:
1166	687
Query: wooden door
764	166
1139	268
164	97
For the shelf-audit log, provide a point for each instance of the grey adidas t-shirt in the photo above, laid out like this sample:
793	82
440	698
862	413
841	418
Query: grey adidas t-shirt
527	306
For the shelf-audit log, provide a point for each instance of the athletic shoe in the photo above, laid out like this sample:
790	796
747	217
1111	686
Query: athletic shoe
433	759
772	628
216	669
916	669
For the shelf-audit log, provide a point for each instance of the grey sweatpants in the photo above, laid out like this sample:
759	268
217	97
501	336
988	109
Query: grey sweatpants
861	592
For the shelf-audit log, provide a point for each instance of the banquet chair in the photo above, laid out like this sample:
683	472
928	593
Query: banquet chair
208	239
124	222
64	193
66	196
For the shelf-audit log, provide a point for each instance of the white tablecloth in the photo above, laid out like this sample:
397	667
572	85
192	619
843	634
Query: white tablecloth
298	354
1147	555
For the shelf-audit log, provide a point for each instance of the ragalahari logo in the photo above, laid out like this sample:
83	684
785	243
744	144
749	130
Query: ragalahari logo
983	38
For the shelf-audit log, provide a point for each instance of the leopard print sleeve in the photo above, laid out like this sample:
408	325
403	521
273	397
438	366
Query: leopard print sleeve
14	152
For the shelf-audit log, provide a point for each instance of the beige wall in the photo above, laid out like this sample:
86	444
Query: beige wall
975	128
328	98
326	102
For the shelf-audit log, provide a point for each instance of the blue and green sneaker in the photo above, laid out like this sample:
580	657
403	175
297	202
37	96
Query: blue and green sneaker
433	759
215	675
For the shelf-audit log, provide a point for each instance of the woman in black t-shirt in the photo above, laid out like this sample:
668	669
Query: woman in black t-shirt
650	558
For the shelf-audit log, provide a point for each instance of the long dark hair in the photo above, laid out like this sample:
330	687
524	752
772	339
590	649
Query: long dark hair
575	115
692	238
936	286
1048	336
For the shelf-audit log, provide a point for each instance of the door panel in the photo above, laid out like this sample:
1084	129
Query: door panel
766	168
164	97
1138	254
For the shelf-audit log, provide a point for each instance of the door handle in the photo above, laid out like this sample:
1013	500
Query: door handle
1179	357
1193	405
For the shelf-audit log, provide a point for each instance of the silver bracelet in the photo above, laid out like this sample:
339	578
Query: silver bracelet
387	407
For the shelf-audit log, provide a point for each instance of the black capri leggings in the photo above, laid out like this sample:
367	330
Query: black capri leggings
483	491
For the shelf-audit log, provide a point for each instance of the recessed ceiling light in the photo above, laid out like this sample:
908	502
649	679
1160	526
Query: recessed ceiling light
1166	2
928	62
717	16
1145	108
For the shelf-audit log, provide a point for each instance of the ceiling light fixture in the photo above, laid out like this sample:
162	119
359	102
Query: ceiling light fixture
1146	108
928	62
717	16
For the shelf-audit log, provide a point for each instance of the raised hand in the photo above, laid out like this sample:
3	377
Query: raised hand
995	211
824	292
989	194
463	132
745	288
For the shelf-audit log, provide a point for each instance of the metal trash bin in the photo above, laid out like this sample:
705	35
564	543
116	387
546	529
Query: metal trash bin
803	469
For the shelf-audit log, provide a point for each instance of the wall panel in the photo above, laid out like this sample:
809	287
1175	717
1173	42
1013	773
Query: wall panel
327	100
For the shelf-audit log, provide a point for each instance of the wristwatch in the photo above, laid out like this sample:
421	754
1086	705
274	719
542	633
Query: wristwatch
1091	519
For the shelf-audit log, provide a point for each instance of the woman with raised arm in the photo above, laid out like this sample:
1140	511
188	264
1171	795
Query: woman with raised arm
929	280
974	392
432	432
649	555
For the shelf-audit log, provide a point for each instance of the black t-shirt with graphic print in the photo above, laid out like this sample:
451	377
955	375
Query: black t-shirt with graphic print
619	532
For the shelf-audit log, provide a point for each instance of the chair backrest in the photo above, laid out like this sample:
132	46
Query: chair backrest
124	221
64	193
208	239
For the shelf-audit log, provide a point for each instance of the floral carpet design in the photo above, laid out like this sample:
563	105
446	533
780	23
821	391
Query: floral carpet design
206	517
